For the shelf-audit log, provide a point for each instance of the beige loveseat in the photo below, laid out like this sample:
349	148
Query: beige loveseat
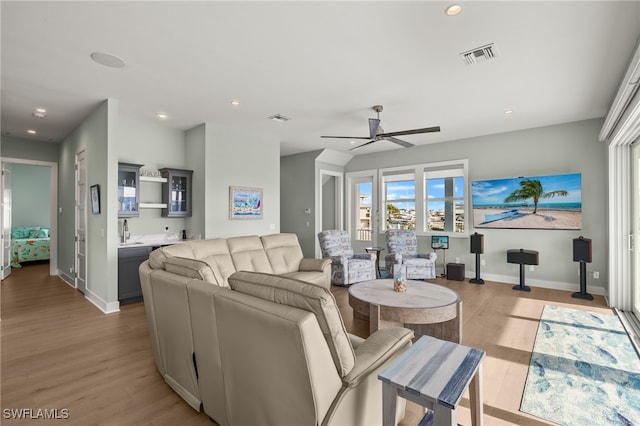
260	348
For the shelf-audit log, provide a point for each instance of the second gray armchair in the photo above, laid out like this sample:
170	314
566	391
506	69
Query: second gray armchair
346	267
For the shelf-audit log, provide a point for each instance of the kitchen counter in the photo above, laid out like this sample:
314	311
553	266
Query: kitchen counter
150	241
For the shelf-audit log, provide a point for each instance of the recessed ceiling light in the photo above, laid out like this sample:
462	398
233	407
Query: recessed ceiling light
508	111
39	113
41	110
108	60
279	118
235	102
453	10
31	132
162	115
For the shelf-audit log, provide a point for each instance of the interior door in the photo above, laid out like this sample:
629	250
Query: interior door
363	213
81	221
6	220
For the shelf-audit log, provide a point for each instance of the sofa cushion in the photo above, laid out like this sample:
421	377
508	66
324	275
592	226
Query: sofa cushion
302	295
194	268
158	256
248	254
283	251
215	252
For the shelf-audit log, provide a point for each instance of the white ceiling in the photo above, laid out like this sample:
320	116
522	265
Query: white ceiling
325	64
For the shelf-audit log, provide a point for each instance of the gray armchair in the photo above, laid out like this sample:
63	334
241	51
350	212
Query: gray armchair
402	246
346	267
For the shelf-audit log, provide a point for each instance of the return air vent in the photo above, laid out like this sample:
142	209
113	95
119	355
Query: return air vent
480	54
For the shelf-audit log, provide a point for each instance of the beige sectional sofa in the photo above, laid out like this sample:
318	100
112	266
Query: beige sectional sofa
266	346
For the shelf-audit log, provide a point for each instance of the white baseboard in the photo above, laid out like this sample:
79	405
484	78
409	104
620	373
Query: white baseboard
532	282
106	307
67	278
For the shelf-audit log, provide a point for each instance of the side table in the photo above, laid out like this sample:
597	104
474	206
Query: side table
377	251
434	373
455	271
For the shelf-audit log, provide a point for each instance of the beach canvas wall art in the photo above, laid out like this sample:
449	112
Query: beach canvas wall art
534	202
245	203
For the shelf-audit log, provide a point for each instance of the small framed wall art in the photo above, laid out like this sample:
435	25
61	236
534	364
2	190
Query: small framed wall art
95	199
245	203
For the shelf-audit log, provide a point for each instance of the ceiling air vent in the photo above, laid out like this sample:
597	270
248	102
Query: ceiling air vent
480	54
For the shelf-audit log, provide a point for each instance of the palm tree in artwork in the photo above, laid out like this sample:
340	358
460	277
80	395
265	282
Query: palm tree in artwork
532	188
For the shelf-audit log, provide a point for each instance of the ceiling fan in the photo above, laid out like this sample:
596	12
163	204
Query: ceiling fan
376	133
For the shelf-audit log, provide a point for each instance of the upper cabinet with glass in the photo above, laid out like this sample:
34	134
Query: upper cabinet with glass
128	189
176	192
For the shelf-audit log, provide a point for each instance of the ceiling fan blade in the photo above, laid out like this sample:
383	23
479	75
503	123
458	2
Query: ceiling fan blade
412	132
374	123
366	143
398	141
346	137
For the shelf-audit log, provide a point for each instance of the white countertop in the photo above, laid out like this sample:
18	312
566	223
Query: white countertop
151	240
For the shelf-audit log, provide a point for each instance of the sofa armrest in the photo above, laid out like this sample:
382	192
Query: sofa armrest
367	256
375	351
431	256
393	258
321	265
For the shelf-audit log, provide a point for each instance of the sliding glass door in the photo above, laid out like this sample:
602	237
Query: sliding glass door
635	243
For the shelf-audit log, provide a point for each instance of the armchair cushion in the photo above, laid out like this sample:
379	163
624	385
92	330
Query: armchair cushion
312	298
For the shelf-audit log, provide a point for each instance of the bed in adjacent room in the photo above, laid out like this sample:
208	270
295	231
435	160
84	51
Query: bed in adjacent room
29	244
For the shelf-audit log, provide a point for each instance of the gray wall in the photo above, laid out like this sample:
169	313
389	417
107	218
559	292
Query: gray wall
237	158
96	134
564	148
13	147
154	146
297	189
31	195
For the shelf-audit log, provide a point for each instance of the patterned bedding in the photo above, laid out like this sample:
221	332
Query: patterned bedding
29	244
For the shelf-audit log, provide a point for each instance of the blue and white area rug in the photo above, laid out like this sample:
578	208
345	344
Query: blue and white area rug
584	370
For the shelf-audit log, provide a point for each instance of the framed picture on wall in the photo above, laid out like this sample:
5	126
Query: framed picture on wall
534	202
95	199
245	203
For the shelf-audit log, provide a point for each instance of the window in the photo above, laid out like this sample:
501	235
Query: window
445	205
400	201
430	198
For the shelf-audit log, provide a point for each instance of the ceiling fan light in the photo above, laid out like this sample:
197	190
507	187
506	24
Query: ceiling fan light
280	118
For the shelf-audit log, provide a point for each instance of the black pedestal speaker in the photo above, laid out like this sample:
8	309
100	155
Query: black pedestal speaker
522	257
582	254
477	247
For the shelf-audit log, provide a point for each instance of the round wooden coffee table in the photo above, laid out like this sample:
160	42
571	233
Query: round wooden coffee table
427	309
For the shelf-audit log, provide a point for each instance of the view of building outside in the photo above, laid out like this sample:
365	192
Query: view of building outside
364	219
444	205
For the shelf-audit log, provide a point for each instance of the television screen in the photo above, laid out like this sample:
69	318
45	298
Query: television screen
439	242
535	202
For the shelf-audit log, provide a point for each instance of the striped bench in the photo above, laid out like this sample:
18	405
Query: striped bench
434	373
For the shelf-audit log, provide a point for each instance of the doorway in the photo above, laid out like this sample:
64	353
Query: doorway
7	199
362	214
329	196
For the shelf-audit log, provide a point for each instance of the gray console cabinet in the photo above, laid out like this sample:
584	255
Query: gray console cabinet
129	260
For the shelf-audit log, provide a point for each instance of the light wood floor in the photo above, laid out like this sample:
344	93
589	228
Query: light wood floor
58	351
